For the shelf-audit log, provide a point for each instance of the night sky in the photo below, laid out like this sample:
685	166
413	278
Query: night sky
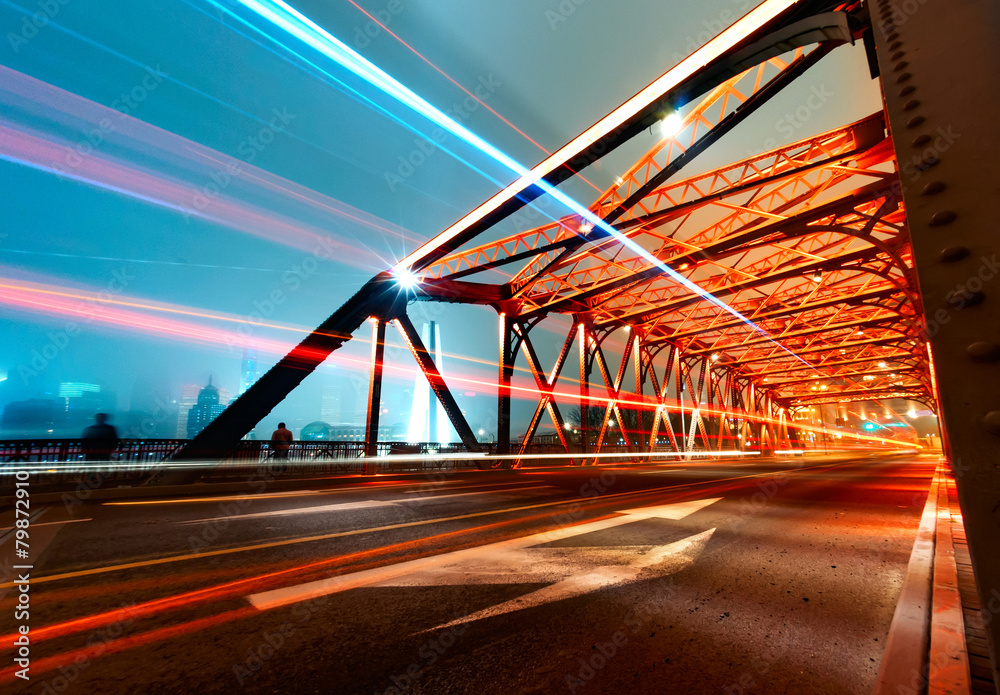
203	180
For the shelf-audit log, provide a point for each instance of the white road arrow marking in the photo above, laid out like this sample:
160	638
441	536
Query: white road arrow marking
494	561
663	559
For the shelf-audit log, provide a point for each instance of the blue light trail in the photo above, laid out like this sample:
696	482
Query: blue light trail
286	17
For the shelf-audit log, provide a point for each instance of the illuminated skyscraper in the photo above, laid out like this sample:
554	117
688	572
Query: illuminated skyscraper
208	407
428	422
248	370
78	402
76	389
189	396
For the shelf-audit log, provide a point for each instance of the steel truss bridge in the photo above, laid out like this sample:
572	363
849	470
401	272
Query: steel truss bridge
778	282
800	276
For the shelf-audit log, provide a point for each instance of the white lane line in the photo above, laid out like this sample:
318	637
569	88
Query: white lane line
32	519
40	540
429	498
276	495
224	498
428	486
47	523
363	504
303	592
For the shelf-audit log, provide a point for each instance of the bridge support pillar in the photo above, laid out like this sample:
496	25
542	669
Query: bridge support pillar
935	59
374	395
584	334
506	372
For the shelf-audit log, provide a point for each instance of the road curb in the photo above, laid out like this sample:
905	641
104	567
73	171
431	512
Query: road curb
926	651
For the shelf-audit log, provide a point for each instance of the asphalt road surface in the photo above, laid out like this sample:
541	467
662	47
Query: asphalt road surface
732	577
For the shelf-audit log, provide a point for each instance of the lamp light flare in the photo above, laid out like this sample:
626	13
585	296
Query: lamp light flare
671	125
407	279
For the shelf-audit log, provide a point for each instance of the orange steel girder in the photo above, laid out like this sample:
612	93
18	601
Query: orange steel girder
769	255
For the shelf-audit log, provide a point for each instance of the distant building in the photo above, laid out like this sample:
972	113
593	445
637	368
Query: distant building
330	410
316	432
76	389
78	402
189	397
63	413
29	418
320	431
248	370
208	407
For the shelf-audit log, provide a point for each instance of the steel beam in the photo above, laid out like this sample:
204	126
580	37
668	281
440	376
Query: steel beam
505	364
377	297
799	367
583	337
846	300
779	82
766	169
546	386
938	62
824	348
436	381
748	343
374	394
770	29
854	257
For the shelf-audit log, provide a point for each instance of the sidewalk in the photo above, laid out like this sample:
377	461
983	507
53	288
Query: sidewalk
937	644
975	632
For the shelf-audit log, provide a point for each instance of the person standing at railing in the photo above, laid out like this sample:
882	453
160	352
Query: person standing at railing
99	440
281	442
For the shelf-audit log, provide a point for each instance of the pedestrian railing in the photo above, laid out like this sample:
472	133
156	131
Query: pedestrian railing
64	461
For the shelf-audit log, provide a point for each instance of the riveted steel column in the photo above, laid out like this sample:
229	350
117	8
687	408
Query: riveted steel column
506	364
640	380
374	395
938	62
583	327
436	381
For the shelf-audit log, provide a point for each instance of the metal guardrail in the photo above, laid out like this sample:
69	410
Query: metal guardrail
59	450
155	450
134	460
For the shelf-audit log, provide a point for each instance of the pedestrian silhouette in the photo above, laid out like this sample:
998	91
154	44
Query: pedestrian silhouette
281	441
100	439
